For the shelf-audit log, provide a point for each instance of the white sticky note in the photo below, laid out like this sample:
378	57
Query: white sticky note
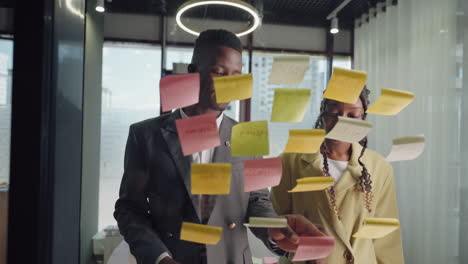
267	222
349	130
406	148
288	70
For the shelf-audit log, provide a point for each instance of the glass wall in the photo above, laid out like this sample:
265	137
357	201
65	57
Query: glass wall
130	94
342	62
6	71
263	94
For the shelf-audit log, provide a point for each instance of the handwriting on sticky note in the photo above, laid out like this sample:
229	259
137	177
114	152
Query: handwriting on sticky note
234	87
197	133
288	70
250	139
290	105
267	222
270	260
202	234
310	184
391	102
374	228
304	140
350	130
211	178
312	248
262	173
406	148
345	85
179	90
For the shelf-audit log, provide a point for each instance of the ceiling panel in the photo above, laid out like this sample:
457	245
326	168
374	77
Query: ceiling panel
293	12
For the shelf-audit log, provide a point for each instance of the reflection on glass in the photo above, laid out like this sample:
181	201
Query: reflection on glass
130	94
263	94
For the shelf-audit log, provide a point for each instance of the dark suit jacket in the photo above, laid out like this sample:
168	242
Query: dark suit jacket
155	197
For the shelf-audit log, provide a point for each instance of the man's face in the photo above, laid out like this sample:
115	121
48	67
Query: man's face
222	61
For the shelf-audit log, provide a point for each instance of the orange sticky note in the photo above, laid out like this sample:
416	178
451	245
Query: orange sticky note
311	248
262	173
345	85
179	90
203	234
197	133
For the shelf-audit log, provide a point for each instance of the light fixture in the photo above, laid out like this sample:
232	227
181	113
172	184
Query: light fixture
334	26
100	6
234	3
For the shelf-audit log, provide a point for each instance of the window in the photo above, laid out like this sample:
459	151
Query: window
6	71
263	94
342	62
130	94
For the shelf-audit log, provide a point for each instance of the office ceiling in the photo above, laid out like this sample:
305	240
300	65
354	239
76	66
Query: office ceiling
292	12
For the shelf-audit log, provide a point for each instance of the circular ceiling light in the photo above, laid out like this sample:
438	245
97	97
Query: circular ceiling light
235	3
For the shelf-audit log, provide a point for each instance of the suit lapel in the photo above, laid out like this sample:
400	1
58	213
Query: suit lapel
222	153
169	132
347	180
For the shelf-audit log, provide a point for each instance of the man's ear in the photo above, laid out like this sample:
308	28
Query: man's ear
192	68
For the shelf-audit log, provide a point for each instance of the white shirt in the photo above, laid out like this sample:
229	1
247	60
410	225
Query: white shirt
205	156
336	168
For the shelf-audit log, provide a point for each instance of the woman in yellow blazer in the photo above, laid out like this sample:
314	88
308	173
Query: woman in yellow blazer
364	187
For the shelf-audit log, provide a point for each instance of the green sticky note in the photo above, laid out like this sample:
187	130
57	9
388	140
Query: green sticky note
290	105
250	139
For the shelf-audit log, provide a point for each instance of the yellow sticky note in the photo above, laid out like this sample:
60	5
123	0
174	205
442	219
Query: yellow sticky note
290	105
310	184
234	87
250	139
374	228
391	102
345	85
288	70
211	178
304	140
203	234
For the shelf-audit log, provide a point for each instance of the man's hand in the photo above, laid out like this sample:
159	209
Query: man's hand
288	238
168	260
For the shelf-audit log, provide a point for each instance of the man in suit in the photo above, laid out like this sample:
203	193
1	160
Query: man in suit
155	195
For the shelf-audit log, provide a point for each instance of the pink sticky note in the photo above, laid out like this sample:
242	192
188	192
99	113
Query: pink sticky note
197	133
179	90
261	173
311	248
270	260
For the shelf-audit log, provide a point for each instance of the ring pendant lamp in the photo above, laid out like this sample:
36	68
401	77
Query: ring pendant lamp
234	3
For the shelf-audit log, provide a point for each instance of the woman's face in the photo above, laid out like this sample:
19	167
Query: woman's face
335	109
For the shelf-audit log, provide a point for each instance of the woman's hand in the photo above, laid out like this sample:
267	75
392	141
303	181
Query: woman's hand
288	238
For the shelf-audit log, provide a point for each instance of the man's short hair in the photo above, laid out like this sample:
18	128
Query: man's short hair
211	38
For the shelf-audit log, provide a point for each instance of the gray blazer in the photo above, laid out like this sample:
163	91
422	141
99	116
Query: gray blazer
155	197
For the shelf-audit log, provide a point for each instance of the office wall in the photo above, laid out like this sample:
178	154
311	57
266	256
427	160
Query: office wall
6	20
147	28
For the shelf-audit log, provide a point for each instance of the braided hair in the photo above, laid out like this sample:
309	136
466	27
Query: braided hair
365	182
